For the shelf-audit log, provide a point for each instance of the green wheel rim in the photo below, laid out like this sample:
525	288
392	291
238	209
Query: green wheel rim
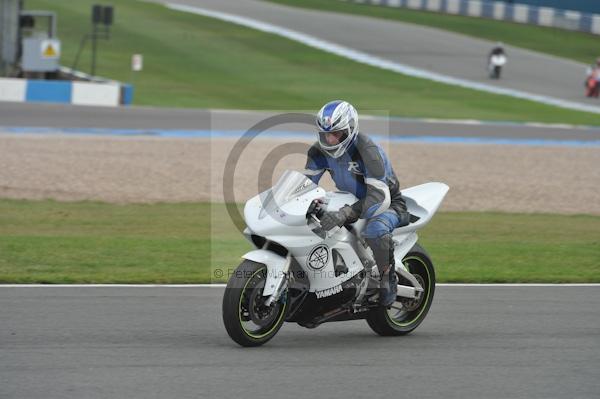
425	301
249	333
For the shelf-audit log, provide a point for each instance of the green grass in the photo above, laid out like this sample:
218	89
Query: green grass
192	61
86	242
577	46
52	242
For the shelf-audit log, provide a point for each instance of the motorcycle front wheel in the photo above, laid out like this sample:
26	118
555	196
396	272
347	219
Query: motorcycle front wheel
406	314
247	319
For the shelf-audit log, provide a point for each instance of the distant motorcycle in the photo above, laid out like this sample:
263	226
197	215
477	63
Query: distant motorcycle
301	273
592	86
495	64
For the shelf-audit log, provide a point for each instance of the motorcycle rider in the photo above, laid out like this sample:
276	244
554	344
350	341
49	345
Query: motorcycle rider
592	82
498	49
360	166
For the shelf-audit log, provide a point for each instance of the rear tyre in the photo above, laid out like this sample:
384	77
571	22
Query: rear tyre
407	314
247	319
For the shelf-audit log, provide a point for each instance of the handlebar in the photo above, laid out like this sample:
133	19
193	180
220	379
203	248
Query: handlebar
315	212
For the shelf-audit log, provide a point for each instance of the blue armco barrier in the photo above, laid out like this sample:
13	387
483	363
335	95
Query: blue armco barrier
487	11
109	93
48	91
586	23
533	16
127	96
463	8
520	13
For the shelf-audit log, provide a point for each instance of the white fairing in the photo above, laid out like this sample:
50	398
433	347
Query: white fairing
498	60
279	215
275	265
422	201
286	225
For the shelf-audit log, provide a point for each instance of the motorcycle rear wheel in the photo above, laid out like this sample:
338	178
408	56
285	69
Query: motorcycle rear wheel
248	321
406	315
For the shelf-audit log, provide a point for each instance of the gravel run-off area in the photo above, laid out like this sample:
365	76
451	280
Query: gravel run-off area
482	177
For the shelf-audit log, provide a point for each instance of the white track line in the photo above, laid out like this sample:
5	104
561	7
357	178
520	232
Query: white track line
223	285
375	61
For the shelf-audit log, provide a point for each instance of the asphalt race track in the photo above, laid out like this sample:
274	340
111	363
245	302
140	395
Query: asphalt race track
418	46
150	118
157	342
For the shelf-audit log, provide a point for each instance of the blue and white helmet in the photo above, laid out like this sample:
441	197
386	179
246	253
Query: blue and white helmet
336	116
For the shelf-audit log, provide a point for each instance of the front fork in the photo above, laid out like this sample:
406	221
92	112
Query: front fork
282	283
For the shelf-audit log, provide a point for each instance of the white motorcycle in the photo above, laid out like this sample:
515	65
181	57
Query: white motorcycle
495	65
301	273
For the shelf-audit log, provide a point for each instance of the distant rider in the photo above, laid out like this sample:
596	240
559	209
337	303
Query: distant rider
498	49
496	59
360	166
592	81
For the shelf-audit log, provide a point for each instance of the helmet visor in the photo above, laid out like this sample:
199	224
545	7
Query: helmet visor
333	139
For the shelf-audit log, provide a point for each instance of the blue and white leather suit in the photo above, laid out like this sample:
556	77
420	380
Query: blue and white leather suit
365	171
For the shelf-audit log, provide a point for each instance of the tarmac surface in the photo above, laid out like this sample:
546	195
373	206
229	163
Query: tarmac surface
156	342
418	46
152	119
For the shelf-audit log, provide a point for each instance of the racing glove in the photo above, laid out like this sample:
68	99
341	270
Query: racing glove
338	218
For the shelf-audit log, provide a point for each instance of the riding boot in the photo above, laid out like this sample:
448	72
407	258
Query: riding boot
383	252
389	287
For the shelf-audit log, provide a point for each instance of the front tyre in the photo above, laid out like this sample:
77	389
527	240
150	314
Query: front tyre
247	319
406	314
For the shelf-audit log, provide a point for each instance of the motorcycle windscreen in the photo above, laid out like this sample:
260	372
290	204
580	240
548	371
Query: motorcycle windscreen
290	185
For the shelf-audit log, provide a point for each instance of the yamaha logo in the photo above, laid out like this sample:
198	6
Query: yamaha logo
318	257
329	292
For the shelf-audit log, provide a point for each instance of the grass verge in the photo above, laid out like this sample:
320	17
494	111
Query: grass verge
578	46
86	242
192	61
